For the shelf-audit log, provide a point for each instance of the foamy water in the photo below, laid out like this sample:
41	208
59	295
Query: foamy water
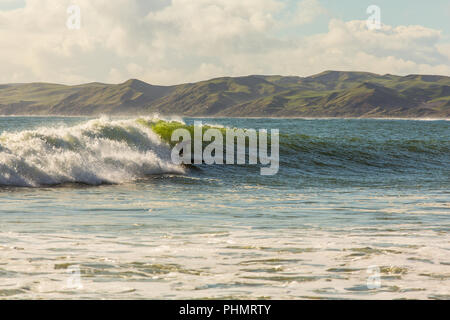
99	151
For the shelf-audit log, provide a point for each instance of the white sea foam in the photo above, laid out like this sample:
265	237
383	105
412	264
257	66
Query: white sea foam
98	151
241	262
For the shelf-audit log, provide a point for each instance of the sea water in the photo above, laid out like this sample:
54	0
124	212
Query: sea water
94	208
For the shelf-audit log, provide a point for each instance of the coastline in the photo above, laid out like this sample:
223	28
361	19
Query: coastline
113	116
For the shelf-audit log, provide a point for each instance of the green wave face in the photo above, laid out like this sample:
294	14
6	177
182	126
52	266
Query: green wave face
164	129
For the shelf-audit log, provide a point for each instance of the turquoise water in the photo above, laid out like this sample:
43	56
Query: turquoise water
101	196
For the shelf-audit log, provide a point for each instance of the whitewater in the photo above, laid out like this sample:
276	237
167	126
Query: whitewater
98	151
100	197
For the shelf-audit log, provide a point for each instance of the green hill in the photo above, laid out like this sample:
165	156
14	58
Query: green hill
328	94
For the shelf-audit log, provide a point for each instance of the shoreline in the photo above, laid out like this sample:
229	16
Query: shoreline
223	117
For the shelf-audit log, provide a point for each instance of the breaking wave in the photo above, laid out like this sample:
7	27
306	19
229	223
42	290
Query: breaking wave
95	152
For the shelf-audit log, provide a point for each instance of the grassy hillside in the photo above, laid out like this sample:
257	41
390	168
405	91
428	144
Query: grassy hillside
328	94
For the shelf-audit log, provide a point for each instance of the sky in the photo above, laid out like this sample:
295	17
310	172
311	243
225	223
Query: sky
177	41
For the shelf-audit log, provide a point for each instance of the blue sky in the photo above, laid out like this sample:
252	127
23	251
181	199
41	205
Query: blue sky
172	41
433	14
395	13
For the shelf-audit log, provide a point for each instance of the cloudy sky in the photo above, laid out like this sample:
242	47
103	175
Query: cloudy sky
178	41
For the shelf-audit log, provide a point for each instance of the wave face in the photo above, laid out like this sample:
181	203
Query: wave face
95	152
367	152
335	153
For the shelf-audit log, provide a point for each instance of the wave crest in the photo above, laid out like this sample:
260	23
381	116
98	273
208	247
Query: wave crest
98	151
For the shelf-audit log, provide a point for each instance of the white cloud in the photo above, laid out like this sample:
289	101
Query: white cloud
177	41
307	11
204	26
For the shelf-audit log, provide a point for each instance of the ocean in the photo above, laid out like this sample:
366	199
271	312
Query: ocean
93	208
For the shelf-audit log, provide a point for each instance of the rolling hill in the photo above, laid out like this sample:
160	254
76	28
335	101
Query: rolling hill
328	94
